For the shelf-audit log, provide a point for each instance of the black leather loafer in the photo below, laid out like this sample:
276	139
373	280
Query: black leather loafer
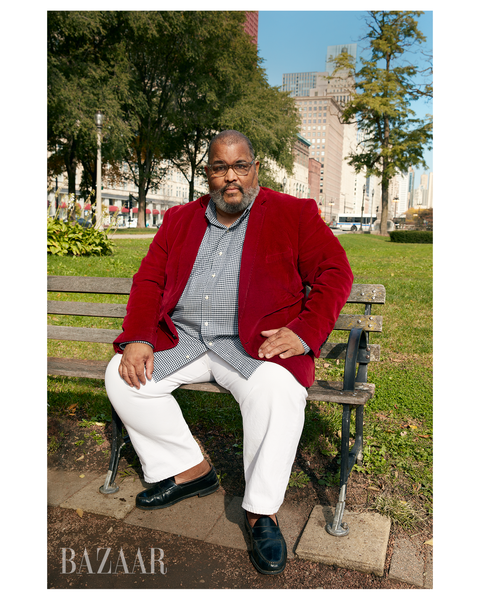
167	492
269	551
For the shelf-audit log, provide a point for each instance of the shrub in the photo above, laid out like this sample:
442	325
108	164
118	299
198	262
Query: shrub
411	237
72	238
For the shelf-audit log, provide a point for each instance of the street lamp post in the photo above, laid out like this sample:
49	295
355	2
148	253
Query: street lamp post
330	204
98	212
363	203
284	185
395	202
371	210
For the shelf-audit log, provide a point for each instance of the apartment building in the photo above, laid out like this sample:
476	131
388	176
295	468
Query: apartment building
116	192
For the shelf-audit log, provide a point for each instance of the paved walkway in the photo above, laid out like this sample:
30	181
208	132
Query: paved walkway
218	519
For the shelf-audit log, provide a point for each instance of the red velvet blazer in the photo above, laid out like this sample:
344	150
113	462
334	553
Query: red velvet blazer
287	246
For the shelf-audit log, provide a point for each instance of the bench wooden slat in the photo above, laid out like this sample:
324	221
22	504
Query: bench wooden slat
321	391
370	323
331	391
366	292
338	350
75	367
82	334
86	309
94	285
361	293
96	309
330	350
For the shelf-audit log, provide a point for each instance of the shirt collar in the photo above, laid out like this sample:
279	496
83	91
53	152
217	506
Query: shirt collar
211	214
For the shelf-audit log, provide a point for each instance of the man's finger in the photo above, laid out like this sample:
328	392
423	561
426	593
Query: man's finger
269	332
281	342
149	367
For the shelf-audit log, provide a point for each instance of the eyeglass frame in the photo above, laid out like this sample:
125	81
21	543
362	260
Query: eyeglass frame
233	168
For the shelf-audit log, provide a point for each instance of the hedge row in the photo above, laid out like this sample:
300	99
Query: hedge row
411	237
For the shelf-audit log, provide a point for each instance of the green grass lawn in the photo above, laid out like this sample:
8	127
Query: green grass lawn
398	420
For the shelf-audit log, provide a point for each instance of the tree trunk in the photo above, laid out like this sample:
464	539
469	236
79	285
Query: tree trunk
142	203
384	217
71	167
191	190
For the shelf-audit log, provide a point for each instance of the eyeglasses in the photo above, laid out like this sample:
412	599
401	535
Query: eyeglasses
240	168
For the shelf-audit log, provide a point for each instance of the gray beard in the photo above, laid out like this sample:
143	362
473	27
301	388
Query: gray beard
249	195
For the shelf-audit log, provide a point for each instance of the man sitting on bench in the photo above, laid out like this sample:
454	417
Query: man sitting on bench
220	296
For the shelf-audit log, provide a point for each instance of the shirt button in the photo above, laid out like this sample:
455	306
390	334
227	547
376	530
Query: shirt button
206	297
188	356
206	322
210	343
220	253
213	275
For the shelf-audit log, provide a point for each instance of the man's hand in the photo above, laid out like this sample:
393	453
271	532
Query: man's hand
135	358
280	341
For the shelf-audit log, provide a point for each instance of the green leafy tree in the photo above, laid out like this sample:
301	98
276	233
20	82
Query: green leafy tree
84	74
393	138
215	74
228	89
269	118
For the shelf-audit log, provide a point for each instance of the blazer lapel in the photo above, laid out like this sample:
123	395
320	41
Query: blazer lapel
250	248
193	233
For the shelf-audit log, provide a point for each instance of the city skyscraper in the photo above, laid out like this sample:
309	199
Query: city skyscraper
334	51
251	25
299	84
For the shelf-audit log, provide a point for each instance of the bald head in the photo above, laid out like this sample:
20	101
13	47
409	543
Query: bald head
230	137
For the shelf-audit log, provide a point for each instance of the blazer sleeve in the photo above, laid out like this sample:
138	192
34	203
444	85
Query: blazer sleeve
145	301
323	265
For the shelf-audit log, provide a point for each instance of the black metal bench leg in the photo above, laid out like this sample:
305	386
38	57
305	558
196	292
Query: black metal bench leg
337	528
118	442
358	447
348	459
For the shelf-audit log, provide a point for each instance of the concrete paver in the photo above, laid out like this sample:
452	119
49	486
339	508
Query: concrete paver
194	517
229	530
428	573
363	549
63	484
118	505
407	564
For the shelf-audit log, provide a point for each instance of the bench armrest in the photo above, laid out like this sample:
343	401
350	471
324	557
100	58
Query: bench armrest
356	352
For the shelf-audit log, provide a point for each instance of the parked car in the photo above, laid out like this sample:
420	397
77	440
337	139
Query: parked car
84	223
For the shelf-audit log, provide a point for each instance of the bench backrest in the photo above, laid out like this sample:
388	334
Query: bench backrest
364	294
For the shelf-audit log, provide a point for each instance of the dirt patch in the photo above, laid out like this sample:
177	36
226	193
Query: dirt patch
187	563
74	443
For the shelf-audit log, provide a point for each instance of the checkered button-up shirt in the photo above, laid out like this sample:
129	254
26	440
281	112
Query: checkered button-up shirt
206	315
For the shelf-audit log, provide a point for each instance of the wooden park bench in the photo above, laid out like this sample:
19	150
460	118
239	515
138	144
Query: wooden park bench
353	392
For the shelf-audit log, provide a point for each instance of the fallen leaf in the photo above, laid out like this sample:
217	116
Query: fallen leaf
81	458
374	489
412	426
424	436
403	433
79	512
81	476
110	530
429	542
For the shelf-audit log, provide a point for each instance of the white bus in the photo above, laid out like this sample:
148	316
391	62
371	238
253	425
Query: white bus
351	222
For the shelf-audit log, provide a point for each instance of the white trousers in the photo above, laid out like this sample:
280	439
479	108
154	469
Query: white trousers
272	404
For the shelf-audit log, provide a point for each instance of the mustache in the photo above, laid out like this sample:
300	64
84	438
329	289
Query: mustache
231	185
